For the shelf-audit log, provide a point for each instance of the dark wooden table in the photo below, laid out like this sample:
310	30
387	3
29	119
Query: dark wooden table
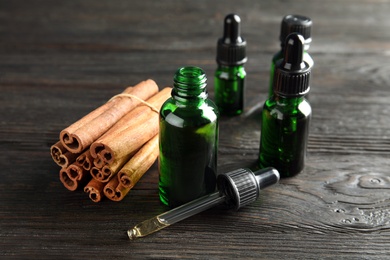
61	59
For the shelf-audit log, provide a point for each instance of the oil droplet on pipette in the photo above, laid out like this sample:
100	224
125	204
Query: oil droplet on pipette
147	227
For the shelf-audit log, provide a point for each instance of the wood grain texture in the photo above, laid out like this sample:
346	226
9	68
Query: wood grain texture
59	60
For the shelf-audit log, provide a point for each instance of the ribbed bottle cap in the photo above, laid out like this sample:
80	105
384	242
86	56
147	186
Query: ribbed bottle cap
292	74
231	48
242	186
296	23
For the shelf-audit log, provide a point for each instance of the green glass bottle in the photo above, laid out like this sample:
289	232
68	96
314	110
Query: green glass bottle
290	24
286	114
229	78
188	140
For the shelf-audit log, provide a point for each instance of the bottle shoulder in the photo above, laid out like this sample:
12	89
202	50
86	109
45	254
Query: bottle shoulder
182	116
287	108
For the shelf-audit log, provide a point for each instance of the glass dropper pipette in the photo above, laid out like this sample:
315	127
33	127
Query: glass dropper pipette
236	189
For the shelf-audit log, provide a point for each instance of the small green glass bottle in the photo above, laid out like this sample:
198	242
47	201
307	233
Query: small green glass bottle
229	78
292	23
286	114
188	140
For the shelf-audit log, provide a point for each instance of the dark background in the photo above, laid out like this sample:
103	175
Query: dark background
61	59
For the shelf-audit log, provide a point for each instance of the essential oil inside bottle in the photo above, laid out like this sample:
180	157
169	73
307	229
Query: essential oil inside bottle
229	89
284	137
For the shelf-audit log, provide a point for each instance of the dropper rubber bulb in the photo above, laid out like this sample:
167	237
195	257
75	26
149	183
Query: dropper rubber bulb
231	48
236	189
231	33
293	53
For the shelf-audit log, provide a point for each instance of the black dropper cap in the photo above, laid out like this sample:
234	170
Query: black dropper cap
242	186
231	48
292	74
296	23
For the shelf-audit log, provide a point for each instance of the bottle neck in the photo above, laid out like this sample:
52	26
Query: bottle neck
189	87
288	102
186	98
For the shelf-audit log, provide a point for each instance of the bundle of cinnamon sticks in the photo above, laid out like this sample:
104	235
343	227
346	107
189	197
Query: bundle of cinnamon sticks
108	151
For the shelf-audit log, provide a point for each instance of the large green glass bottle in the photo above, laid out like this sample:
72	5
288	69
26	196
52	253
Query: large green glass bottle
292	23
286	114
229	77
188	140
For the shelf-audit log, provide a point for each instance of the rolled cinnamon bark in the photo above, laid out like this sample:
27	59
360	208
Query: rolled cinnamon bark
103	174
130	133
61	156
136	167
85	160
94	189
114	190
98	161
96	173
82	133
117	188
74	176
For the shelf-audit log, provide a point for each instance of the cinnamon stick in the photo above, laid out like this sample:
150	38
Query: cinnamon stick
117	188
103	174
83	132
94	189
73	176
129	134
61	156
99	161
114	190
85	160
103	171
136	167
